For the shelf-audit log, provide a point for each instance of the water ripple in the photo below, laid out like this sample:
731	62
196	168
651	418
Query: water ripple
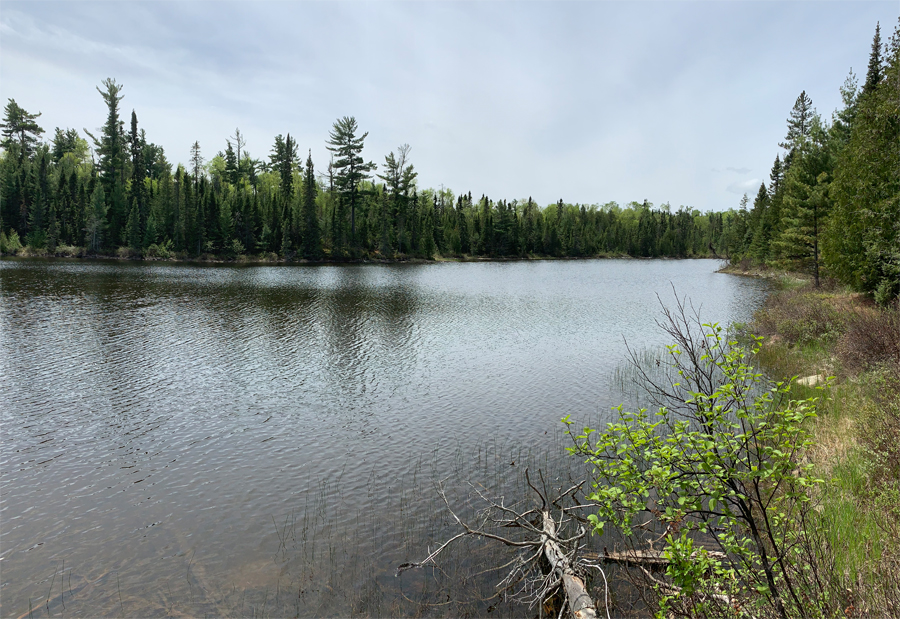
151	414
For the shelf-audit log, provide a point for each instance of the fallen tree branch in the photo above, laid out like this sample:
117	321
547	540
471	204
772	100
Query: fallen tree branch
560	553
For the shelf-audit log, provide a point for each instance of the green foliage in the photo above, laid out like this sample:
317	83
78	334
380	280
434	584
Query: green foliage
236	248
862	247
9	244
95	221
724	461
350	168
19	127
163	250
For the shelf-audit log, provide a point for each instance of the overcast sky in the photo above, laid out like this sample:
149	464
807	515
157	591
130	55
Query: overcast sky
586	101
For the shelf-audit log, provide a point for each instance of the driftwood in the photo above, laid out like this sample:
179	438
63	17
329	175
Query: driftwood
654	560
527	580
580	603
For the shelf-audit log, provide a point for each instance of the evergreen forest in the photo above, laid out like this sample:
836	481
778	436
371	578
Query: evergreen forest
831	207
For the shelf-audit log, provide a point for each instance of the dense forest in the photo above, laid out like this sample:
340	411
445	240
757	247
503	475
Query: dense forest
832	204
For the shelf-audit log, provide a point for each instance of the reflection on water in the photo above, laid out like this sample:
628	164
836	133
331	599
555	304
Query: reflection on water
264	440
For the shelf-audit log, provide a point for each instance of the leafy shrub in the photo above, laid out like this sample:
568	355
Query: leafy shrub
236	248
721	460
161	250
10	244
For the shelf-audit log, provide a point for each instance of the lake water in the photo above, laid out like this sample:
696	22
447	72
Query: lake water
265	440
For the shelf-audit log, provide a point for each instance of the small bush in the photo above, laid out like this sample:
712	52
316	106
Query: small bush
872	337
128	252
236	248
70	251
10	244
36	239
800	317
162	250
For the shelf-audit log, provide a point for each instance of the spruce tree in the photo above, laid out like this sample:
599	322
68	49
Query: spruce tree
758	230
312	236
95	219
137	215
862	246
874	72
231	165
806	202
196	162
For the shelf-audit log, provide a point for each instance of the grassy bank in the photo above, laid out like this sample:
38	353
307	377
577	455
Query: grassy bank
830	332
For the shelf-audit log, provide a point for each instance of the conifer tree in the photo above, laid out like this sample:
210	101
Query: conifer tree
349	167
842	120
95	220
862	246
196	162
806	201
137	216
312	236
874	72
111	149
231	164
799	122
20	127
758	230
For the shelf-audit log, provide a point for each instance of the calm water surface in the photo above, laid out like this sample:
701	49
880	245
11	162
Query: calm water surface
264	439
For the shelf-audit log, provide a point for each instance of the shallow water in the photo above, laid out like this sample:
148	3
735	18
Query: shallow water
263	440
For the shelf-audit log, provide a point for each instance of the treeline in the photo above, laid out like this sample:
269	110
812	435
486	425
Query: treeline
124	196
832	205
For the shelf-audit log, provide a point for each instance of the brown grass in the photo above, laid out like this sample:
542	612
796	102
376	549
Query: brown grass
857	433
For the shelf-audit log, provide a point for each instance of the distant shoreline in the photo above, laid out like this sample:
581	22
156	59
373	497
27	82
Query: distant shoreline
272	259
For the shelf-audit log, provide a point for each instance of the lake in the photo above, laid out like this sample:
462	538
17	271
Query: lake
184	439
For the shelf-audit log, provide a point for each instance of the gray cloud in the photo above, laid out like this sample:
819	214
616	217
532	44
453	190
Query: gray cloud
588	102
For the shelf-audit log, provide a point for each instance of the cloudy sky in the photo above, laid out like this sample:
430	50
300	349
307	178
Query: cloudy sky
680	102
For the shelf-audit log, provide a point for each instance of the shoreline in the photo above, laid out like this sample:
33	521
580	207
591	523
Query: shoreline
273	260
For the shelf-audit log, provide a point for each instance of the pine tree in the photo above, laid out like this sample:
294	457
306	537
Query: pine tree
874	72
350	168
19	127
111	149
799	122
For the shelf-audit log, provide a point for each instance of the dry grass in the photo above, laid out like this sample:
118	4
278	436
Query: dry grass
857	433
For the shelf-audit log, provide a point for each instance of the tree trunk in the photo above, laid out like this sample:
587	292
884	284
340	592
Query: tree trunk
580	602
